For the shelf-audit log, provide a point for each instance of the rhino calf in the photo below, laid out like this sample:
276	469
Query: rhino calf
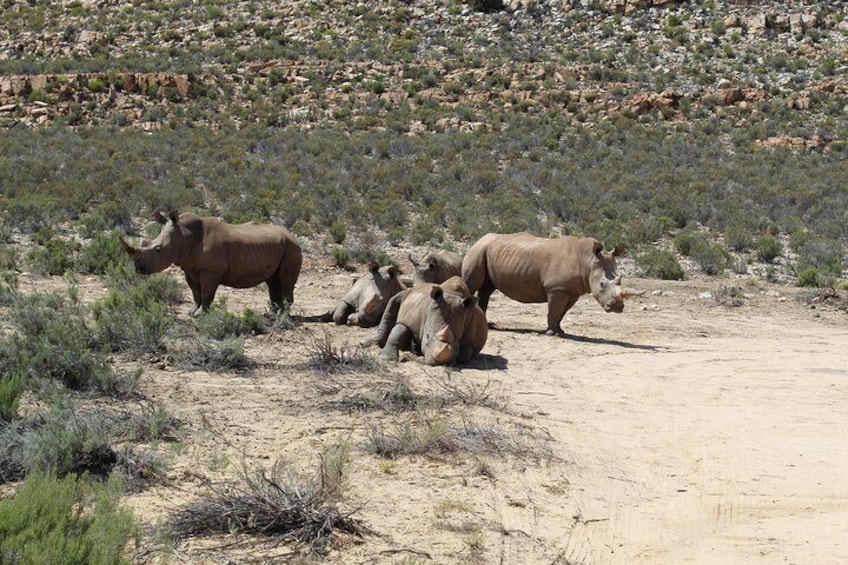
364	303
558	271
442	323
436	267
212	253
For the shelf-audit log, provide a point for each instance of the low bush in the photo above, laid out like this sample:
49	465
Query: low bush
711	257
768	248
66	522
210	355
218	323
660	264
100	255
282	505
134	316
11	389
55	257
54	343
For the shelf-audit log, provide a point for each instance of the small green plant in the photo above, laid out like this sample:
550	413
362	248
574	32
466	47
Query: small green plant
218	323
711	257
66	522
337	231
211	355
660	264
100	255
55	257
768	248
134	315
341	257
11	388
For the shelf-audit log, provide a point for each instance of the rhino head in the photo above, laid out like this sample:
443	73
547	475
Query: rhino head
605	283
444	324
425	270
365	301
163	251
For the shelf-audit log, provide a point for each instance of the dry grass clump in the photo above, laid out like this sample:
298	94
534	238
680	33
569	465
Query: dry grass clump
328	358
279	506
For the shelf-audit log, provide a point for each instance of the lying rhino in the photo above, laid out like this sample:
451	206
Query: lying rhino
365	301
436	267
442	322
558	271
212	253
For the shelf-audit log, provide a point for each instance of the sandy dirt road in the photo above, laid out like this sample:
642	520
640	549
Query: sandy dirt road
681	431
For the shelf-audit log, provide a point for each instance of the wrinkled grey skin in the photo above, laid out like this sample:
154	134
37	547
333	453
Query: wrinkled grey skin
442	323
558	271
364	303
436	267
212	253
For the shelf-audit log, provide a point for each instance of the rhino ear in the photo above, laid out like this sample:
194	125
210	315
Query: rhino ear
619	250
470	302
159	217
436	293
127	247
373	266
393	272
597	248
175	216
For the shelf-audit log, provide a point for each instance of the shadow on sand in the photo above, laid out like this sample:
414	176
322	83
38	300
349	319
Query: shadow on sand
580	338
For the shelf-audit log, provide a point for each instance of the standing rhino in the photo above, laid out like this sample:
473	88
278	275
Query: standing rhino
436	267
442	322
558	271
365	301
211	253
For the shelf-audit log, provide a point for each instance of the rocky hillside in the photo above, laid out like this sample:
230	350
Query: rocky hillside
418	66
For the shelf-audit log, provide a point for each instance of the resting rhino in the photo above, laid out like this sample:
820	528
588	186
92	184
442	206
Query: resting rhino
442	322
436	267
211	253
365	301
558	271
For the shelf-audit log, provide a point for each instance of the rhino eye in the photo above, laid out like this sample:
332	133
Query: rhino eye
158	248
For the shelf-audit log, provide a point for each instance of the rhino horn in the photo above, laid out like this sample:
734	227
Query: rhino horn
628	292
127	247
412	260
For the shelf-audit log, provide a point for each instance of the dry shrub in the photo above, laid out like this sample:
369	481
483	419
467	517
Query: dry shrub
281	506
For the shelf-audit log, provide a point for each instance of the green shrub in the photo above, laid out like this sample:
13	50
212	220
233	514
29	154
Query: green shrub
8	287
100	255
53	342
341	257
65	522
135	317
711	257
337	231
808	277
55	257
214	355
768	248
11	388
684	240
660	264
218	323
738	237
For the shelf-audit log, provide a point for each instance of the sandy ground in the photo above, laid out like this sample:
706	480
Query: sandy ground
681	431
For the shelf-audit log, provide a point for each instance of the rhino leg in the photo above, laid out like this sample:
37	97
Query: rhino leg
400	339
342	312
485	292
208	288
194	285
558	304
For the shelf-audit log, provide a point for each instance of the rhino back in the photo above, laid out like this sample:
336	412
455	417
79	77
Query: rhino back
525	267
244	255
